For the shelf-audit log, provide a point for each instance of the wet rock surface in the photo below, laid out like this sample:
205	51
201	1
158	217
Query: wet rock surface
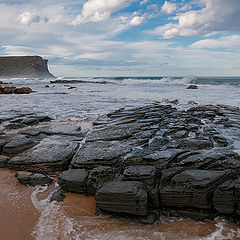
142	162
33	179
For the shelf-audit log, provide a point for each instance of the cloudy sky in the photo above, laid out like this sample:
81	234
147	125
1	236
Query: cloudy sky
125	37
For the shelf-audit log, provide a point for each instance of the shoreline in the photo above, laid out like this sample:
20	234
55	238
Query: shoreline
112	152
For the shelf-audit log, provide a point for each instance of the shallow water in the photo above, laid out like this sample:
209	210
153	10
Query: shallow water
27	214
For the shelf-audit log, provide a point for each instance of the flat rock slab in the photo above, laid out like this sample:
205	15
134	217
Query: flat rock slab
62	130
73	180
17	145
145	174
194	188
113	132
123	197
94	154
33	179
48	156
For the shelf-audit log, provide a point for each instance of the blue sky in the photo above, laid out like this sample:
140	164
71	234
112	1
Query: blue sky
125	37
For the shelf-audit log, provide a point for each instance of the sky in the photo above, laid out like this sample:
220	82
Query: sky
125	37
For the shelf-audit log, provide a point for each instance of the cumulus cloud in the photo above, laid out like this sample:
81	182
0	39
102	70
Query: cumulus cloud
28	18
216	15
169	7
226	42
137	20
99	10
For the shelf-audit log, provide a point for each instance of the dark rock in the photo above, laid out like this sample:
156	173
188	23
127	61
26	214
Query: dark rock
124	197
15	125
57	195
2	144
30	121
63	130
3	161
192	87
23	90
17	145
224	198
194	188
145	174
33	179
30	132
99	175
196	144
73	180
43	118
94	154
47	158
110	134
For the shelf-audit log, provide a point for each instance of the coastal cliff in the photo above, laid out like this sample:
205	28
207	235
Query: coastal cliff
24	66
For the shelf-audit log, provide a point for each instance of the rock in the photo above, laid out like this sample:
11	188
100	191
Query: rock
15	126
99	175
57	195
30	121
94	154
63	130
123	197
23	90
11	90
33	179
47	157
2	144
192	87
30	132
194	188
224	198
17	145
111	133
3	161
145	174
73	180
43	118
196	144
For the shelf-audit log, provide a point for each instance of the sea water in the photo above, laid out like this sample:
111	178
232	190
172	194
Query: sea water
26	212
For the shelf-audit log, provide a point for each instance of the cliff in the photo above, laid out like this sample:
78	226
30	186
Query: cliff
24	66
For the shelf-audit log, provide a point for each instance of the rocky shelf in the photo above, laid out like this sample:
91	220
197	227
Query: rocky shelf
24	66
140	163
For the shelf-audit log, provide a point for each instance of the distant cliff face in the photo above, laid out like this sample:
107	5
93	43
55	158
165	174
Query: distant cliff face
24	66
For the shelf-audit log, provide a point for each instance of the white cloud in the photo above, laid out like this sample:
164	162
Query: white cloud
28	18
216	15
168	7
137	20
227	42
99	10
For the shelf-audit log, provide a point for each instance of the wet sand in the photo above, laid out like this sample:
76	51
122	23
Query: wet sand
26	215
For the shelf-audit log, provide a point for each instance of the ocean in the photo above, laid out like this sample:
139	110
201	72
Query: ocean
78	99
